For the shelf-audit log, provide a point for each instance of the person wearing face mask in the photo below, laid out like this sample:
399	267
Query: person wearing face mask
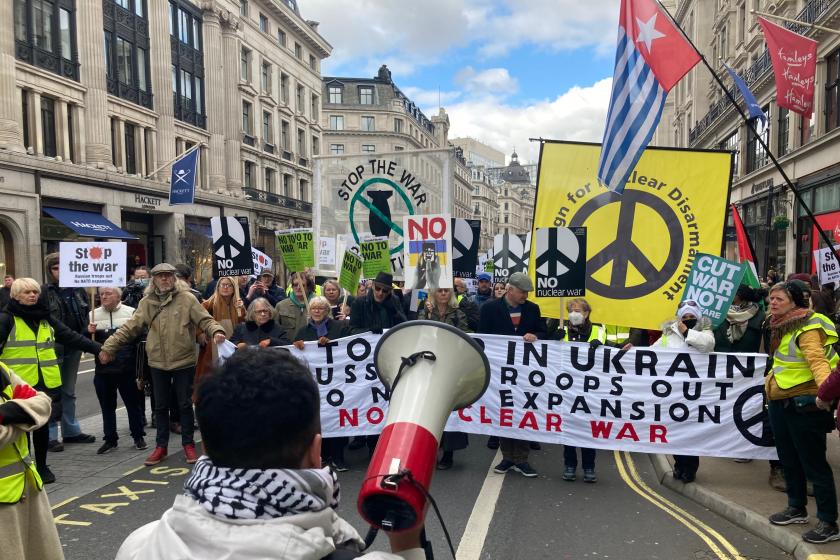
578	329
133	292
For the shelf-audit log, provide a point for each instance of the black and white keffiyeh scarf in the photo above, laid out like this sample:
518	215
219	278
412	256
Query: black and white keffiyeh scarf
261	493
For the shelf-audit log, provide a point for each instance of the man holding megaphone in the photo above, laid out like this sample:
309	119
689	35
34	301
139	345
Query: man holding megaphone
260	488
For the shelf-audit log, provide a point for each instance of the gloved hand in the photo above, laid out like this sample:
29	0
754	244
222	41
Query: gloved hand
23	391
298	344
561	333
595	343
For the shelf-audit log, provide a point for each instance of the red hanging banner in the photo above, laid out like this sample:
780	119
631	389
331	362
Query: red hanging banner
794	59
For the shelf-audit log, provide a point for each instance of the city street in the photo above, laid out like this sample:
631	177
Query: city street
627	515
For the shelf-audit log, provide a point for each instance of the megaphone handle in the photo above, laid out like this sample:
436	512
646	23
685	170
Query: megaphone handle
426	545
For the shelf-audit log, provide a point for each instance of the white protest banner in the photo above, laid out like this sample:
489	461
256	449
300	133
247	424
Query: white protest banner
261	261
428	252
326	253
645	400
86	265
828	269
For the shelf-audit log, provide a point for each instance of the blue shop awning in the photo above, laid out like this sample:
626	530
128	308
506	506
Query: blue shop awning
88	224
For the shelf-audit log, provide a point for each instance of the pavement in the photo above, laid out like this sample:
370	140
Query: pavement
740	492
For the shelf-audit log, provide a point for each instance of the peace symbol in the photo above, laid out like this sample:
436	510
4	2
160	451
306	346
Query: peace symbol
357	198
745	424
623	251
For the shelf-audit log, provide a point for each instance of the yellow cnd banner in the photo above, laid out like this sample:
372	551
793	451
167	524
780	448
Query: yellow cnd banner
640	244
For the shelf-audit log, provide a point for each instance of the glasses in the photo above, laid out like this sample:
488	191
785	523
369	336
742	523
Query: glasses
263	311
318	308
383	289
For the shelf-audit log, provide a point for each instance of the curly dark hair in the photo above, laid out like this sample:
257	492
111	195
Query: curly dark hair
260	410
750	294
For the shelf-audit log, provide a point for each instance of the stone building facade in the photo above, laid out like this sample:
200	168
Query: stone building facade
516	198
698	115
88	125
373	116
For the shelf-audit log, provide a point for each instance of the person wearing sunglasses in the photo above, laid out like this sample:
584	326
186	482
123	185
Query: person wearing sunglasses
379	309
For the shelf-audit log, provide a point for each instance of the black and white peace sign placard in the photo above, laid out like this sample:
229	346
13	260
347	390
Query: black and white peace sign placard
231	246
466	235
560	264
510	254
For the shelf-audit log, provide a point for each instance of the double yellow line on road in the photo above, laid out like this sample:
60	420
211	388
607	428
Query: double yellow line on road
721	547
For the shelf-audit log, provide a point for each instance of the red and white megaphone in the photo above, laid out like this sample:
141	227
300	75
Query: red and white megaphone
431	369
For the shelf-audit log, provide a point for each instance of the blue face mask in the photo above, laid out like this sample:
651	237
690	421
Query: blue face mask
142	282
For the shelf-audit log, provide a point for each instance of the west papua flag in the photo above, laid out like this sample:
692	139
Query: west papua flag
652	57
794	59
745	250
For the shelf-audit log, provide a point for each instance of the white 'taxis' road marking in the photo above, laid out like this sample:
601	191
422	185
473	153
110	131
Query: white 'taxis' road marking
475	532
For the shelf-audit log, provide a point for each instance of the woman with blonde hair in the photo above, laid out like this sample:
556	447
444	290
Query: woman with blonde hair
442	306
226	307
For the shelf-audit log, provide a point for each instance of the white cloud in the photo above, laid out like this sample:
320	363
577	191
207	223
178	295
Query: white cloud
406	35
578	114
496	81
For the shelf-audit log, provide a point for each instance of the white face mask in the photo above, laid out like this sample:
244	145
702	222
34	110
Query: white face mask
576	318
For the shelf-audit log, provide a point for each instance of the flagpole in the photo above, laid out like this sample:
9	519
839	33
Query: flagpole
176	158
796	21
751	127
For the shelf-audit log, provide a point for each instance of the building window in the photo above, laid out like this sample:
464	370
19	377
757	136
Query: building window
298	51
783	131
336	122
48	126
247	125
268	184
337	149
284	135
243	8
301	141
399	148
314	104
731	143
268	136
368	124
265	77
304	189
126	54
301	100
366	95
284	88
398	126
248	175
245	64
130	150
335	93
287	184
187	63
313	63
281	37
756	154
45	35
832	91
316	146
806	129
263	23
368	148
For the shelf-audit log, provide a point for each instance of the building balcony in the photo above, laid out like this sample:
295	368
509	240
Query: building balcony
268	148
47	60
249	140
287	155
277	200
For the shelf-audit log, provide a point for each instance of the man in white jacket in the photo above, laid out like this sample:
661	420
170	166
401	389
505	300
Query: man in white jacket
260	491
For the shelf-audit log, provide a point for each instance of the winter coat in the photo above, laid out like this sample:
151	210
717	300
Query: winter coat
28	527
291	317
480	299
171	321
495	319
471	311
107	323
368	315
206	354
453	316
335	329
189	532
72	311
252	334
702	339
749	342
33	314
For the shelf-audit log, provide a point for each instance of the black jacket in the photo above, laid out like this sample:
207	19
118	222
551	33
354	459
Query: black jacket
33	314
5	297
495	319
749	342
335	329
471	310
74	313
368	315
274	294
132	294
252	334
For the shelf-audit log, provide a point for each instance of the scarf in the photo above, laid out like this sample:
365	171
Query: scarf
320	328
296	301
223	311
738	319
261	493
790	321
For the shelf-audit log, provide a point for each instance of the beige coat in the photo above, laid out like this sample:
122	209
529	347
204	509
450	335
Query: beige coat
28	528
172	320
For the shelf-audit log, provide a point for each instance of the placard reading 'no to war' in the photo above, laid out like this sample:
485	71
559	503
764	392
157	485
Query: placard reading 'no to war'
86	265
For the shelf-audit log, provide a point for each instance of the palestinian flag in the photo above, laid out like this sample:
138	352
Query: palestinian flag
746	253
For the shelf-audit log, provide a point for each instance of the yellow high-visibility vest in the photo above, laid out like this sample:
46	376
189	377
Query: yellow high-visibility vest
598	333
789	365
15	459
26	352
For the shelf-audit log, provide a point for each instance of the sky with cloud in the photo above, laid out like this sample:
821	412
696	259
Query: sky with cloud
505	70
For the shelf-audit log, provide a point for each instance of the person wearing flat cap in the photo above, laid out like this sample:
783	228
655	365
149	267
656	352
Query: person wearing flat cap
690	330
171	315
379	309
514	315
